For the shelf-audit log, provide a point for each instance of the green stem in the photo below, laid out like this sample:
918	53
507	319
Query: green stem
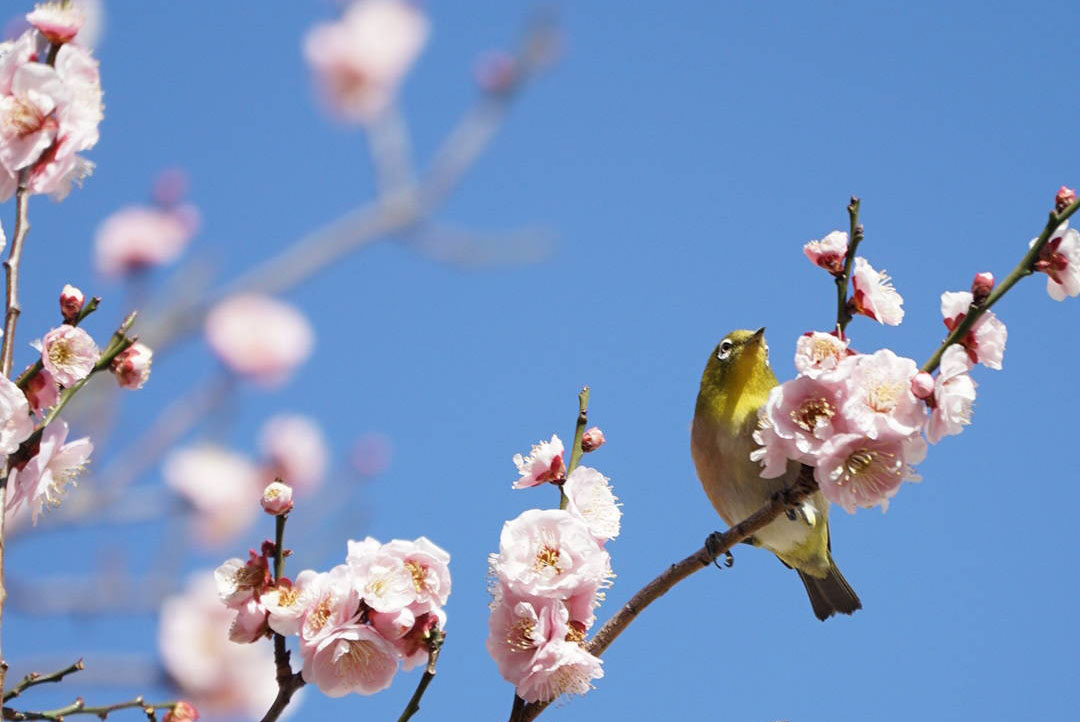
1023	269
79	707
579	432
33	679
279	550
855	236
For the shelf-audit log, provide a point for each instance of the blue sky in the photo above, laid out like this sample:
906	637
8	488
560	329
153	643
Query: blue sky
682	154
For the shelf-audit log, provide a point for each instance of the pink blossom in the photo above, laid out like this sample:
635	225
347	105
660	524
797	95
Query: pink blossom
249	624
818	353
69	354
71	302
544	463
954	395
592	439
428	566
238	581
277	498
800	416
351	658
874	294
287	602
549	553
296	450
985	341
879	395
414	646
222	678
41	391
221	486
132	366
382	579
537	649
330	600
42	481
15	422
259	337
854	470
141	237
830	252
360	60
58	22
590	497
1059	259
393	625
28	123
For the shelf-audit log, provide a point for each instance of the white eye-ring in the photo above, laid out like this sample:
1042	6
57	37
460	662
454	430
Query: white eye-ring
725	349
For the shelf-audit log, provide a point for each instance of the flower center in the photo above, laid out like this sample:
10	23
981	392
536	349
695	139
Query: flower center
318	617
810	412
520	635
547	558
882	396
419	579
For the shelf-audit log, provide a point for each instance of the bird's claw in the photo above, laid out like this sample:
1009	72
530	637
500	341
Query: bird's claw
712	542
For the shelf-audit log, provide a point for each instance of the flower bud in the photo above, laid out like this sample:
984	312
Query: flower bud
41	391
1065	197
182	712
922	385
132	366
71	302
982	285
277	498
592	439
58	22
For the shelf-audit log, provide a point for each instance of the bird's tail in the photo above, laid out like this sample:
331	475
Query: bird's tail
831	593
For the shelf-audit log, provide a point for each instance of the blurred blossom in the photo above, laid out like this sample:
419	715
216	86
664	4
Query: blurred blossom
874	294
360	60
42	481
371	454
496	72
223	487
69	354
220	677
58	22
182	712
259	337
47	115
170	187
296	450
132	366
141	237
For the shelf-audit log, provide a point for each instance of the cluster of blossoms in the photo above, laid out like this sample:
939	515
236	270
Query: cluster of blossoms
50	104
46	462
222	485
356	622
548	577
863	420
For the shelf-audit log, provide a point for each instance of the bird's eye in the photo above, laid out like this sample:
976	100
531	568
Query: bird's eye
725	349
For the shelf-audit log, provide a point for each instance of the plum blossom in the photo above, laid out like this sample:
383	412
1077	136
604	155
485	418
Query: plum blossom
874	294
42	480
287	602
428	566
818	353
351	658
259	337
1059	259
985	341
58	22
854	470
982	285
132	366
41	391
922	385
238	581
590	497
295	449
277	498
829	253
954	395
331	601
220	677
221	486
69	354
15	422
549	553
544	463
799	417
71	302
141	237
879	395
360	60
537	648
382	579
249	625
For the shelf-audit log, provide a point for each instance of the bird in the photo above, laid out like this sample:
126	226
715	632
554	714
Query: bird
735	385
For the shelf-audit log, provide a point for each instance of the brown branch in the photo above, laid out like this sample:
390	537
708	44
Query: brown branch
718	543
33	679
435	643
79	707
287	680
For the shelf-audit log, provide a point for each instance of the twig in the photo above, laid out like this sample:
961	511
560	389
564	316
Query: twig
1025	268
781	501
33	679
434	645
79	707
288	681
579	432
855	236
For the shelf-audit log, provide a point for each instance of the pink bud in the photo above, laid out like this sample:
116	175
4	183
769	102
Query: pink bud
182	712
277	498
71	302
982	285
922	385
132	366
592	439
1065	197
41	391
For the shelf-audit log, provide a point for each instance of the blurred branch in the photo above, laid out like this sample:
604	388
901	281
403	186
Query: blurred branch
79	707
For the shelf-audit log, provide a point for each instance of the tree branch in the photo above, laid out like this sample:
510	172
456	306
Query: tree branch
33	679
434	645
79	707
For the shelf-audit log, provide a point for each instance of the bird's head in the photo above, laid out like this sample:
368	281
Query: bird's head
739	365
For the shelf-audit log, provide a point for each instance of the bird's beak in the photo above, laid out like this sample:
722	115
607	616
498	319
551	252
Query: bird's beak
758	336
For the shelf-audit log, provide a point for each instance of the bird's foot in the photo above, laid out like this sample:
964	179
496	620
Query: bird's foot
712	547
